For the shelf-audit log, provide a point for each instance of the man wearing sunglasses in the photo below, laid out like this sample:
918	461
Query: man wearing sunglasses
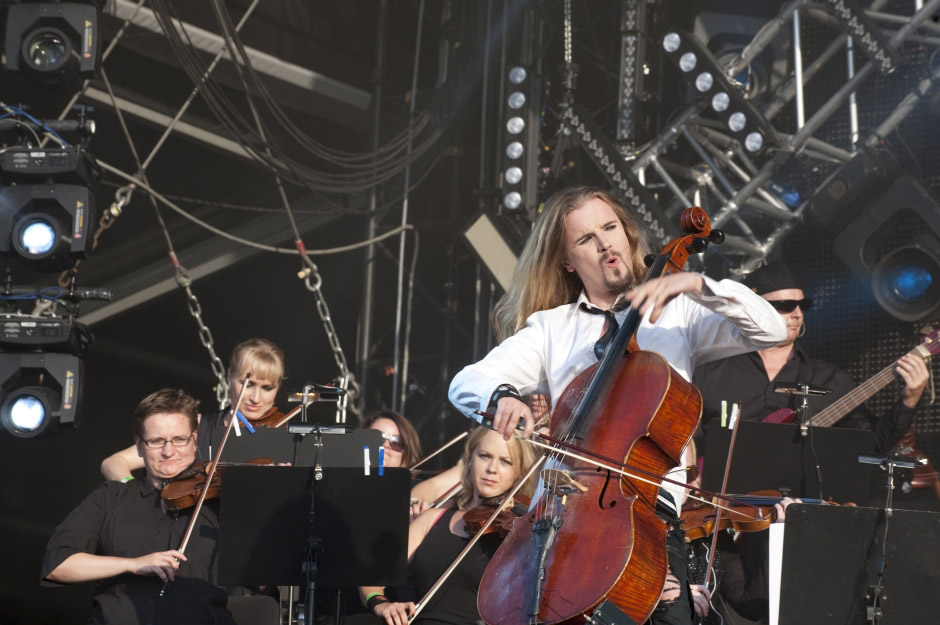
749	378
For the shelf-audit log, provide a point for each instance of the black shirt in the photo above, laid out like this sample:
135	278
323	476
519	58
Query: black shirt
743	379
456	601
128	520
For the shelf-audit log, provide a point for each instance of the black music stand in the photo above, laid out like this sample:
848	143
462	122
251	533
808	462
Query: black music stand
343	445
347	529
777	456
831	556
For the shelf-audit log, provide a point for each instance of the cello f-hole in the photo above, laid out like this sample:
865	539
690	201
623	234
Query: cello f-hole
600	496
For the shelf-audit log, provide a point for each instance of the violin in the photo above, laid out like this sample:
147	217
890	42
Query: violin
474	518
183	491
271	419
743	513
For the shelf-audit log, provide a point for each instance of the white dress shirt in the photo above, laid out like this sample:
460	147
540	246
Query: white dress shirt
556	345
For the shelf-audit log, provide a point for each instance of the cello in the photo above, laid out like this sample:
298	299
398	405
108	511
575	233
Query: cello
594	535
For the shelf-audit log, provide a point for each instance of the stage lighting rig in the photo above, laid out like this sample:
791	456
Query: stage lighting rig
894	245
707	81
54	43
41	370
47	197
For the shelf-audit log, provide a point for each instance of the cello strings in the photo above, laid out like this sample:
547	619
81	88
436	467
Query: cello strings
639	478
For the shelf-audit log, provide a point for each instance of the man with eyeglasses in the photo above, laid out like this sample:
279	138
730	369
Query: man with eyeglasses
123	538
749	378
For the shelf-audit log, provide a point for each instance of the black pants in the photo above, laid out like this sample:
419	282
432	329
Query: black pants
679	611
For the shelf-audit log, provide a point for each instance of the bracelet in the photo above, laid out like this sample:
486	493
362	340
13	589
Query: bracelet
127	479
375	599
505	390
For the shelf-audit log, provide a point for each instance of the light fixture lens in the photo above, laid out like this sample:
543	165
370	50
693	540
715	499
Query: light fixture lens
38	238
514	150
754	142
515	125
687	61
27	413
704	82
720	102
671	42
513	175
516	100
513	200
911	283
517	75
736	122
47	50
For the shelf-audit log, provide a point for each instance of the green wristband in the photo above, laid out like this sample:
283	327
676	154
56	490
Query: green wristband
127	479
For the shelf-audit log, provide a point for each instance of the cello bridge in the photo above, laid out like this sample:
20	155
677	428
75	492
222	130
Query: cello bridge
560	482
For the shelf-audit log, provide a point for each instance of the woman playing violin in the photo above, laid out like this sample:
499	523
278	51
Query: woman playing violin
265	361
121	537
490	467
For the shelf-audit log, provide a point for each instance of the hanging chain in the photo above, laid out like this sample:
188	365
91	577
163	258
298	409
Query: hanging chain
346	380
205	335
567	31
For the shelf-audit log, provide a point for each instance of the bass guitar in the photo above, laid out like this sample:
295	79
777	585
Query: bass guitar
832	414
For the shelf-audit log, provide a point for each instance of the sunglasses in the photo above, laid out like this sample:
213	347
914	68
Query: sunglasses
394	442
789	305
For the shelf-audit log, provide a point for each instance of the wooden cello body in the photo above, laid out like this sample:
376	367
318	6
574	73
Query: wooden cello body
594	535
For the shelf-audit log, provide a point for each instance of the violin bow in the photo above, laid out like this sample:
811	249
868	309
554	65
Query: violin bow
449	443
463	553
615	466
212	467
724	491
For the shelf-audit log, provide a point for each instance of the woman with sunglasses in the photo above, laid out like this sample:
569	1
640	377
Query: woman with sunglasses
489	468
264	360
399	439
749	378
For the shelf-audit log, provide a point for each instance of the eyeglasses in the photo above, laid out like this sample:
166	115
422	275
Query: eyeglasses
789	305
158	443
394	442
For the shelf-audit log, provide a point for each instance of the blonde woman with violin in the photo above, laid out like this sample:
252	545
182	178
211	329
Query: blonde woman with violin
490	467
260	357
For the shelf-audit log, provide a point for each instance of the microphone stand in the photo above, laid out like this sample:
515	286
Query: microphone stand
875	593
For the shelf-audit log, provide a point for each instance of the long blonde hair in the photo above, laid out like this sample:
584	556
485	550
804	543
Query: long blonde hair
540	281
522	455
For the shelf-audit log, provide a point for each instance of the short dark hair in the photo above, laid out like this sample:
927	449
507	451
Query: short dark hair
168	400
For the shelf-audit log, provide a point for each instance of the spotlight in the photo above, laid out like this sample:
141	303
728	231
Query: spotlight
906	282
39	389
46	225
519	155
28	411
49	40
709	83
47	205
894	245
